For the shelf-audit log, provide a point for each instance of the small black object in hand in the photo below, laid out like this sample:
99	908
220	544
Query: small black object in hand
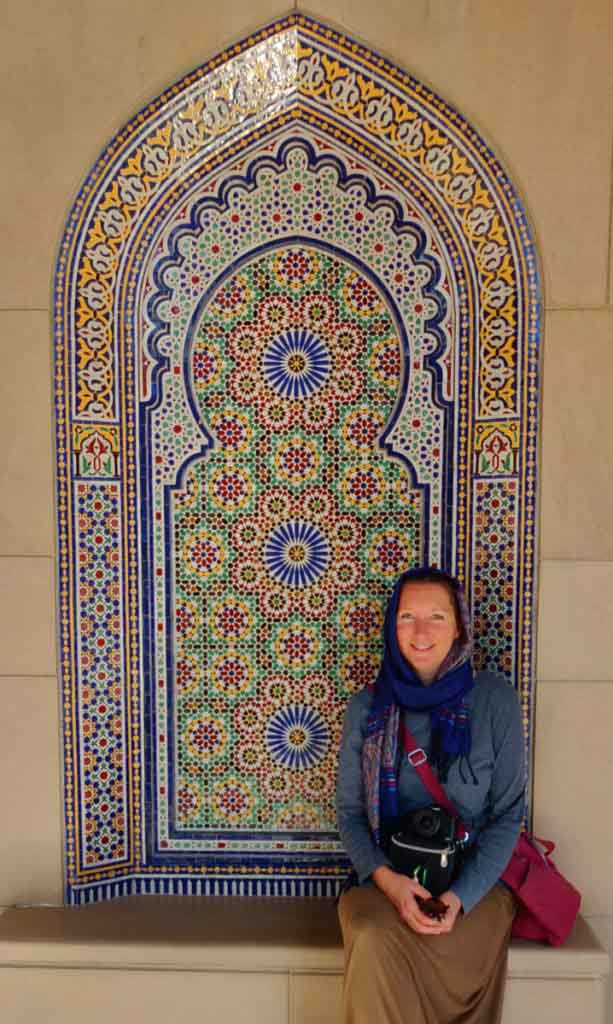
432	907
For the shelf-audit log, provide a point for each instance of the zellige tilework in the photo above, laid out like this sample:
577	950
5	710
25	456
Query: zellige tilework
297	321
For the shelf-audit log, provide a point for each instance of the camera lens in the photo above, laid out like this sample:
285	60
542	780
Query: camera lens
426	822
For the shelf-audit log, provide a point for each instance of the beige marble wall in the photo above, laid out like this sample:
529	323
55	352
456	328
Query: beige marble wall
537	84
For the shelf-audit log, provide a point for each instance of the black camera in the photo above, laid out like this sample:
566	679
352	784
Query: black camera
431	822
425	848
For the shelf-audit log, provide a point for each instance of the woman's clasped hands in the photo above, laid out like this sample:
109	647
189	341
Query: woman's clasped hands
405	892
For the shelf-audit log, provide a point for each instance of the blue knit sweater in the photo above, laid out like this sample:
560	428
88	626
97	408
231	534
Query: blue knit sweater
492	808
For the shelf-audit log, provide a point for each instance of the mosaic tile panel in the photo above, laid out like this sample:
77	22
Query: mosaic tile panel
284	538
494	559
297	324
104	817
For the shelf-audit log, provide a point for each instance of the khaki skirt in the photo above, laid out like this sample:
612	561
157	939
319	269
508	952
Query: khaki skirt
395	976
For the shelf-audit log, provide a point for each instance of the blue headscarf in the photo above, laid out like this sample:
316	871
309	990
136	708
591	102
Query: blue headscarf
397	688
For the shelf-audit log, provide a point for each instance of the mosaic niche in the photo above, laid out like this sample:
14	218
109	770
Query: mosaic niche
296	352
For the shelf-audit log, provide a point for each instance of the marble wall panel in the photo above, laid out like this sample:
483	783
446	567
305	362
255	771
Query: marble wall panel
577	440
572	792
575	614
72	996
27	508
315	998
30	802
603	927
27	602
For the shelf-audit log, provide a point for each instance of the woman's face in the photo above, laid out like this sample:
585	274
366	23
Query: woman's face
426	627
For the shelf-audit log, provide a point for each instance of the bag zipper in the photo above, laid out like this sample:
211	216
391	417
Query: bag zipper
443	854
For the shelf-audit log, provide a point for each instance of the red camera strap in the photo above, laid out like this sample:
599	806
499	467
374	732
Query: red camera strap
418	759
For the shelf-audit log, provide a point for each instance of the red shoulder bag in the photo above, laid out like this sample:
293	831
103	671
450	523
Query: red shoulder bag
547	903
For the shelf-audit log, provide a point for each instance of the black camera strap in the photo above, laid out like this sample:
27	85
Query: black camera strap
418	759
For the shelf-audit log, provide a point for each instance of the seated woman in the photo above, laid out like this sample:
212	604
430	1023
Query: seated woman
400	964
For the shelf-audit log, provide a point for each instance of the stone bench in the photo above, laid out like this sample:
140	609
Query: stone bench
241	961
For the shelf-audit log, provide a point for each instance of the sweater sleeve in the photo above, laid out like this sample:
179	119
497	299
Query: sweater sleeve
353	826
497	839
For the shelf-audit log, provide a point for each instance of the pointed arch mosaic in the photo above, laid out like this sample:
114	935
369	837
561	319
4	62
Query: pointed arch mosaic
297	323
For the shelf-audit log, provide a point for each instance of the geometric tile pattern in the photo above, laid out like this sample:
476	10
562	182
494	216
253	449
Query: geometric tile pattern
297	325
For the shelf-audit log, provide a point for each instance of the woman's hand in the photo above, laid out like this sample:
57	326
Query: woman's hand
402	890
454	907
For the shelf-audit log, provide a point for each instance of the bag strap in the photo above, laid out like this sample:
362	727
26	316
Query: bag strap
546	843
418	759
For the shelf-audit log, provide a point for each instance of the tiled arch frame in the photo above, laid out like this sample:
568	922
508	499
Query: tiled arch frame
297	343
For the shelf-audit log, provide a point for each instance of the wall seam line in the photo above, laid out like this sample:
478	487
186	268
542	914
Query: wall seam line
606	307
573	682
26	675
577	561
48	558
